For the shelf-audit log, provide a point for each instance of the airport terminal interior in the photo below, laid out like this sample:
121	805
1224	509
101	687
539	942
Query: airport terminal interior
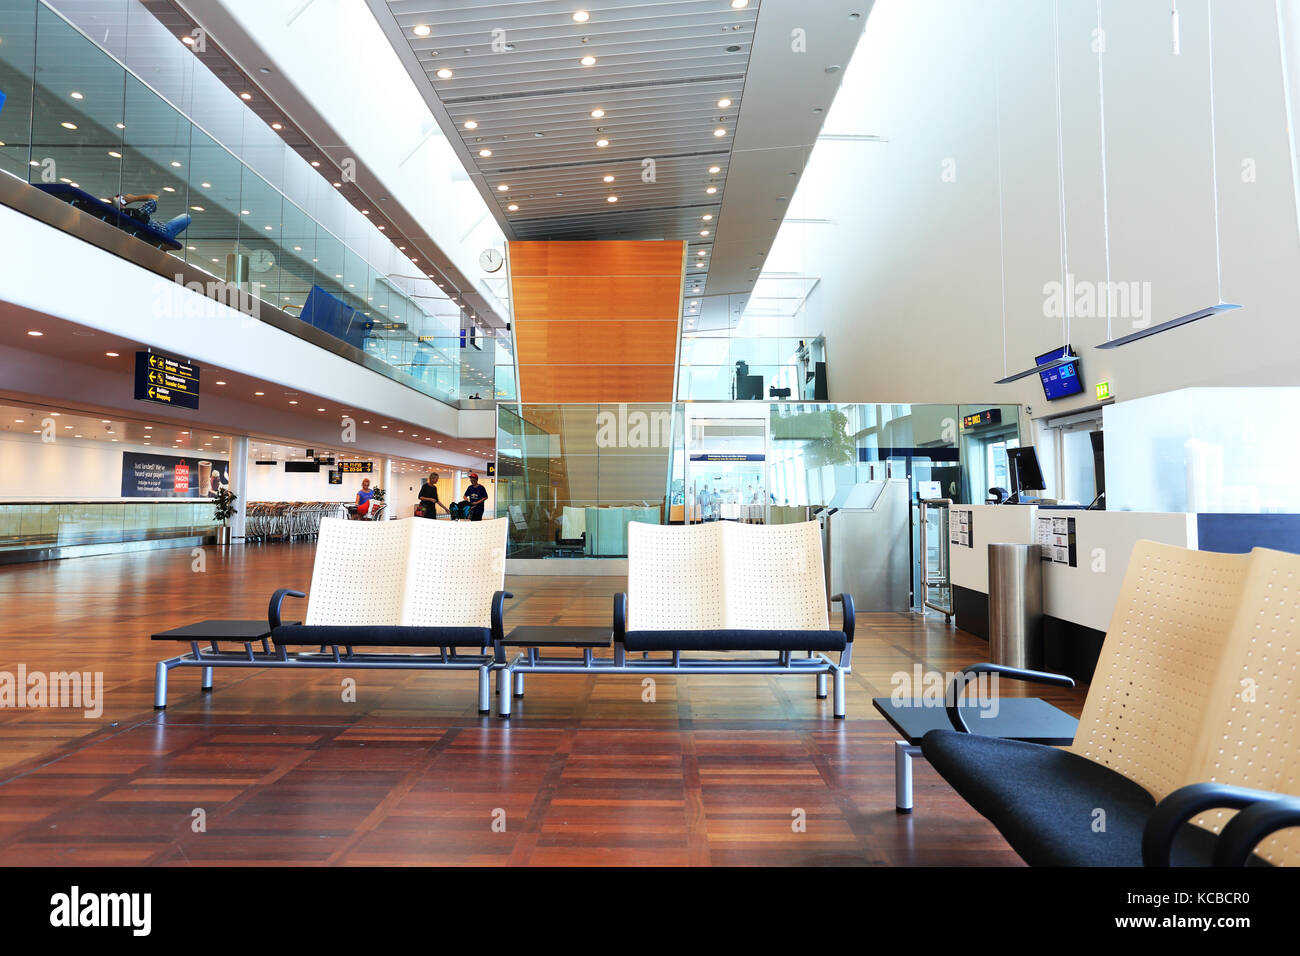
649	433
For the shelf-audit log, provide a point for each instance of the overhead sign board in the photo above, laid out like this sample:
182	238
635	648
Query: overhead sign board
356	467
166	380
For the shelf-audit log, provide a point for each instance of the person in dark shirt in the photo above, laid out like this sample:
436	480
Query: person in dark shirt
475	495
429	503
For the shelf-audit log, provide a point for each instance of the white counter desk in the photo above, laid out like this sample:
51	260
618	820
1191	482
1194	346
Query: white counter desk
1078	598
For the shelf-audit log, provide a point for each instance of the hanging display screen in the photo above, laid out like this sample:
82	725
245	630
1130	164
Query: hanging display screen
1063	380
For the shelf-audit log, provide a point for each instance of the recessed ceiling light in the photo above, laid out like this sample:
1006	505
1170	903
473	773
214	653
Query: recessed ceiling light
597	114
68	125
293	401
316	163
503	188
245	96
35	332
485	153
608	179
711	190
719	132
338	185
277	126
739	4
707	216
723	103
444	74
120	125
471	124
259	393
188	41
320	409
111	354
602	143
704	232
588	61
513	208
611	199
221	383
581	16
422	29
714	170
115	154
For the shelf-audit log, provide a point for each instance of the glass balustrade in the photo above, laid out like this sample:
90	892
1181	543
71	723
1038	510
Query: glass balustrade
233	199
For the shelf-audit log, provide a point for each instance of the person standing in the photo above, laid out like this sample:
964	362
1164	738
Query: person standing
429	503
475	496
363	498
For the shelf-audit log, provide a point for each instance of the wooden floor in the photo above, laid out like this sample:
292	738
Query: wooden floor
279	769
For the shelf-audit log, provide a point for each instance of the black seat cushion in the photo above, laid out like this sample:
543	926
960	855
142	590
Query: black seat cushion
296	634
1044	801
734	640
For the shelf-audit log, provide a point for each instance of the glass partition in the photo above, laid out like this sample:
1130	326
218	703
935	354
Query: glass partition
229	196
37	524
571	477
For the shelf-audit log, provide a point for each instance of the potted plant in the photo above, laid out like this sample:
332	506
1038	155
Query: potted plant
223	510
377	508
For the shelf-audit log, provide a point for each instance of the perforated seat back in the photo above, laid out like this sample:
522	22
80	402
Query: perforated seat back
359	574
674	577
1251	732
410	573
773	577
1166	639
725	575
454	569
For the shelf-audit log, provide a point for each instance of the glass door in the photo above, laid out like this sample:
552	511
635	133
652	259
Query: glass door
726	468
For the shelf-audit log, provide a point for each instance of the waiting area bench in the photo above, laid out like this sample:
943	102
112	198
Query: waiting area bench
1193	713
396	595
711	588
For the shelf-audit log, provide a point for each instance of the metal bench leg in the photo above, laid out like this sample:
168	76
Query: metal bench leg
160	686
839	693
207	680
504	681
519	684
821	686
903	754
485	690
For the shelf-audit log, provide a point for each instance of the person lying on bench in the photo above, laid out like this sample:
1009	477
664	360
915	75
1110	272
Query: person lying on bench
143	215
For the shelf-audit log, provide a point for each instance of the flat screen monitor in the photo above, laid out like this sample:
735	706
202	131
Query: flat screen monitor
1063	380
1025	473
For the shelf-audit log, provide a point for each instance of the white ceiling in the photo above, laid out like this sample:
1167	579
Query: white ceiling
662	66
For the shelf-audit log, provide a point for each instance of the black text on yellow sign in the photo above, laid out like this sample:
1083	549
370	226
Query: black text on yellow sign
166	380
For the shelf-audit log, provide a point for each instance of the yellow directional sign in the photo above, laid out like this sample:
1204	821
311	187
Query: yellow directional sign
166	380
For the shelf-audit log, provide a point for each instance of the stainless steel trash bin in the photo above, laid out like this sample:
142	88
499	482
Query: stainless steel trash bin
1016	605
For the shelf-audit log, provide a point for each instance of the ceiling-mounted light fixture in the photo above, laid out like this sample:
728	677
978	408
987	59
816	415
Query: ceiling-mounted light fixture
1219	306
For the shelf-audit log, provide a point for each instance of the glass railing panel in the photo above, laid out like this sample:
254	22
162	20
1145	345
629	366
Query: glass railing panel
226	170
77	113
17	69
215	178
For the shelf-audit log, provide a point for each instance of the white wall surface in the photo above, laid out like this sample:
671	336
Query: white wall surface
70	469
911	265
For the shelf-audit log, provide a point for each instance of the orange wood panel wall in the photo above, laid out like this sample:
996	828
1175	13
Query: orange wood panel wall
596	321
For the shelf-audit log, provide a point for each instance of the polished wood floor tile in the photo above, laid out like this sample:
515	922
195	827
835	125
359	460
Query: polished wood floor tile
283	769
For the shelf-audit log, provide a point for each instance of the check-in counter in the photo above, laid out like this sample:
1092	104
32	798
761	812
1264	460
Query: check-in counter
1087	554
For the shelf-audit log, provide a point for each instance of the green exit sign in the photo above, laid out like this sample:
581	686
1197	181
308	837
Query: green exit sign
1103	390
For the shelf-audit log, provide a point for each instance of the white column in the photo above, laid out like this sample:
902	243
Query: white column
239	485
389	491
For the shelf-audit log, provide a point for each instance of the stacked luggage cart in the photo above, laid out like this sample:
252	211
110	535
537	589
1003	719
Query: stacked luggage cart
286	520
